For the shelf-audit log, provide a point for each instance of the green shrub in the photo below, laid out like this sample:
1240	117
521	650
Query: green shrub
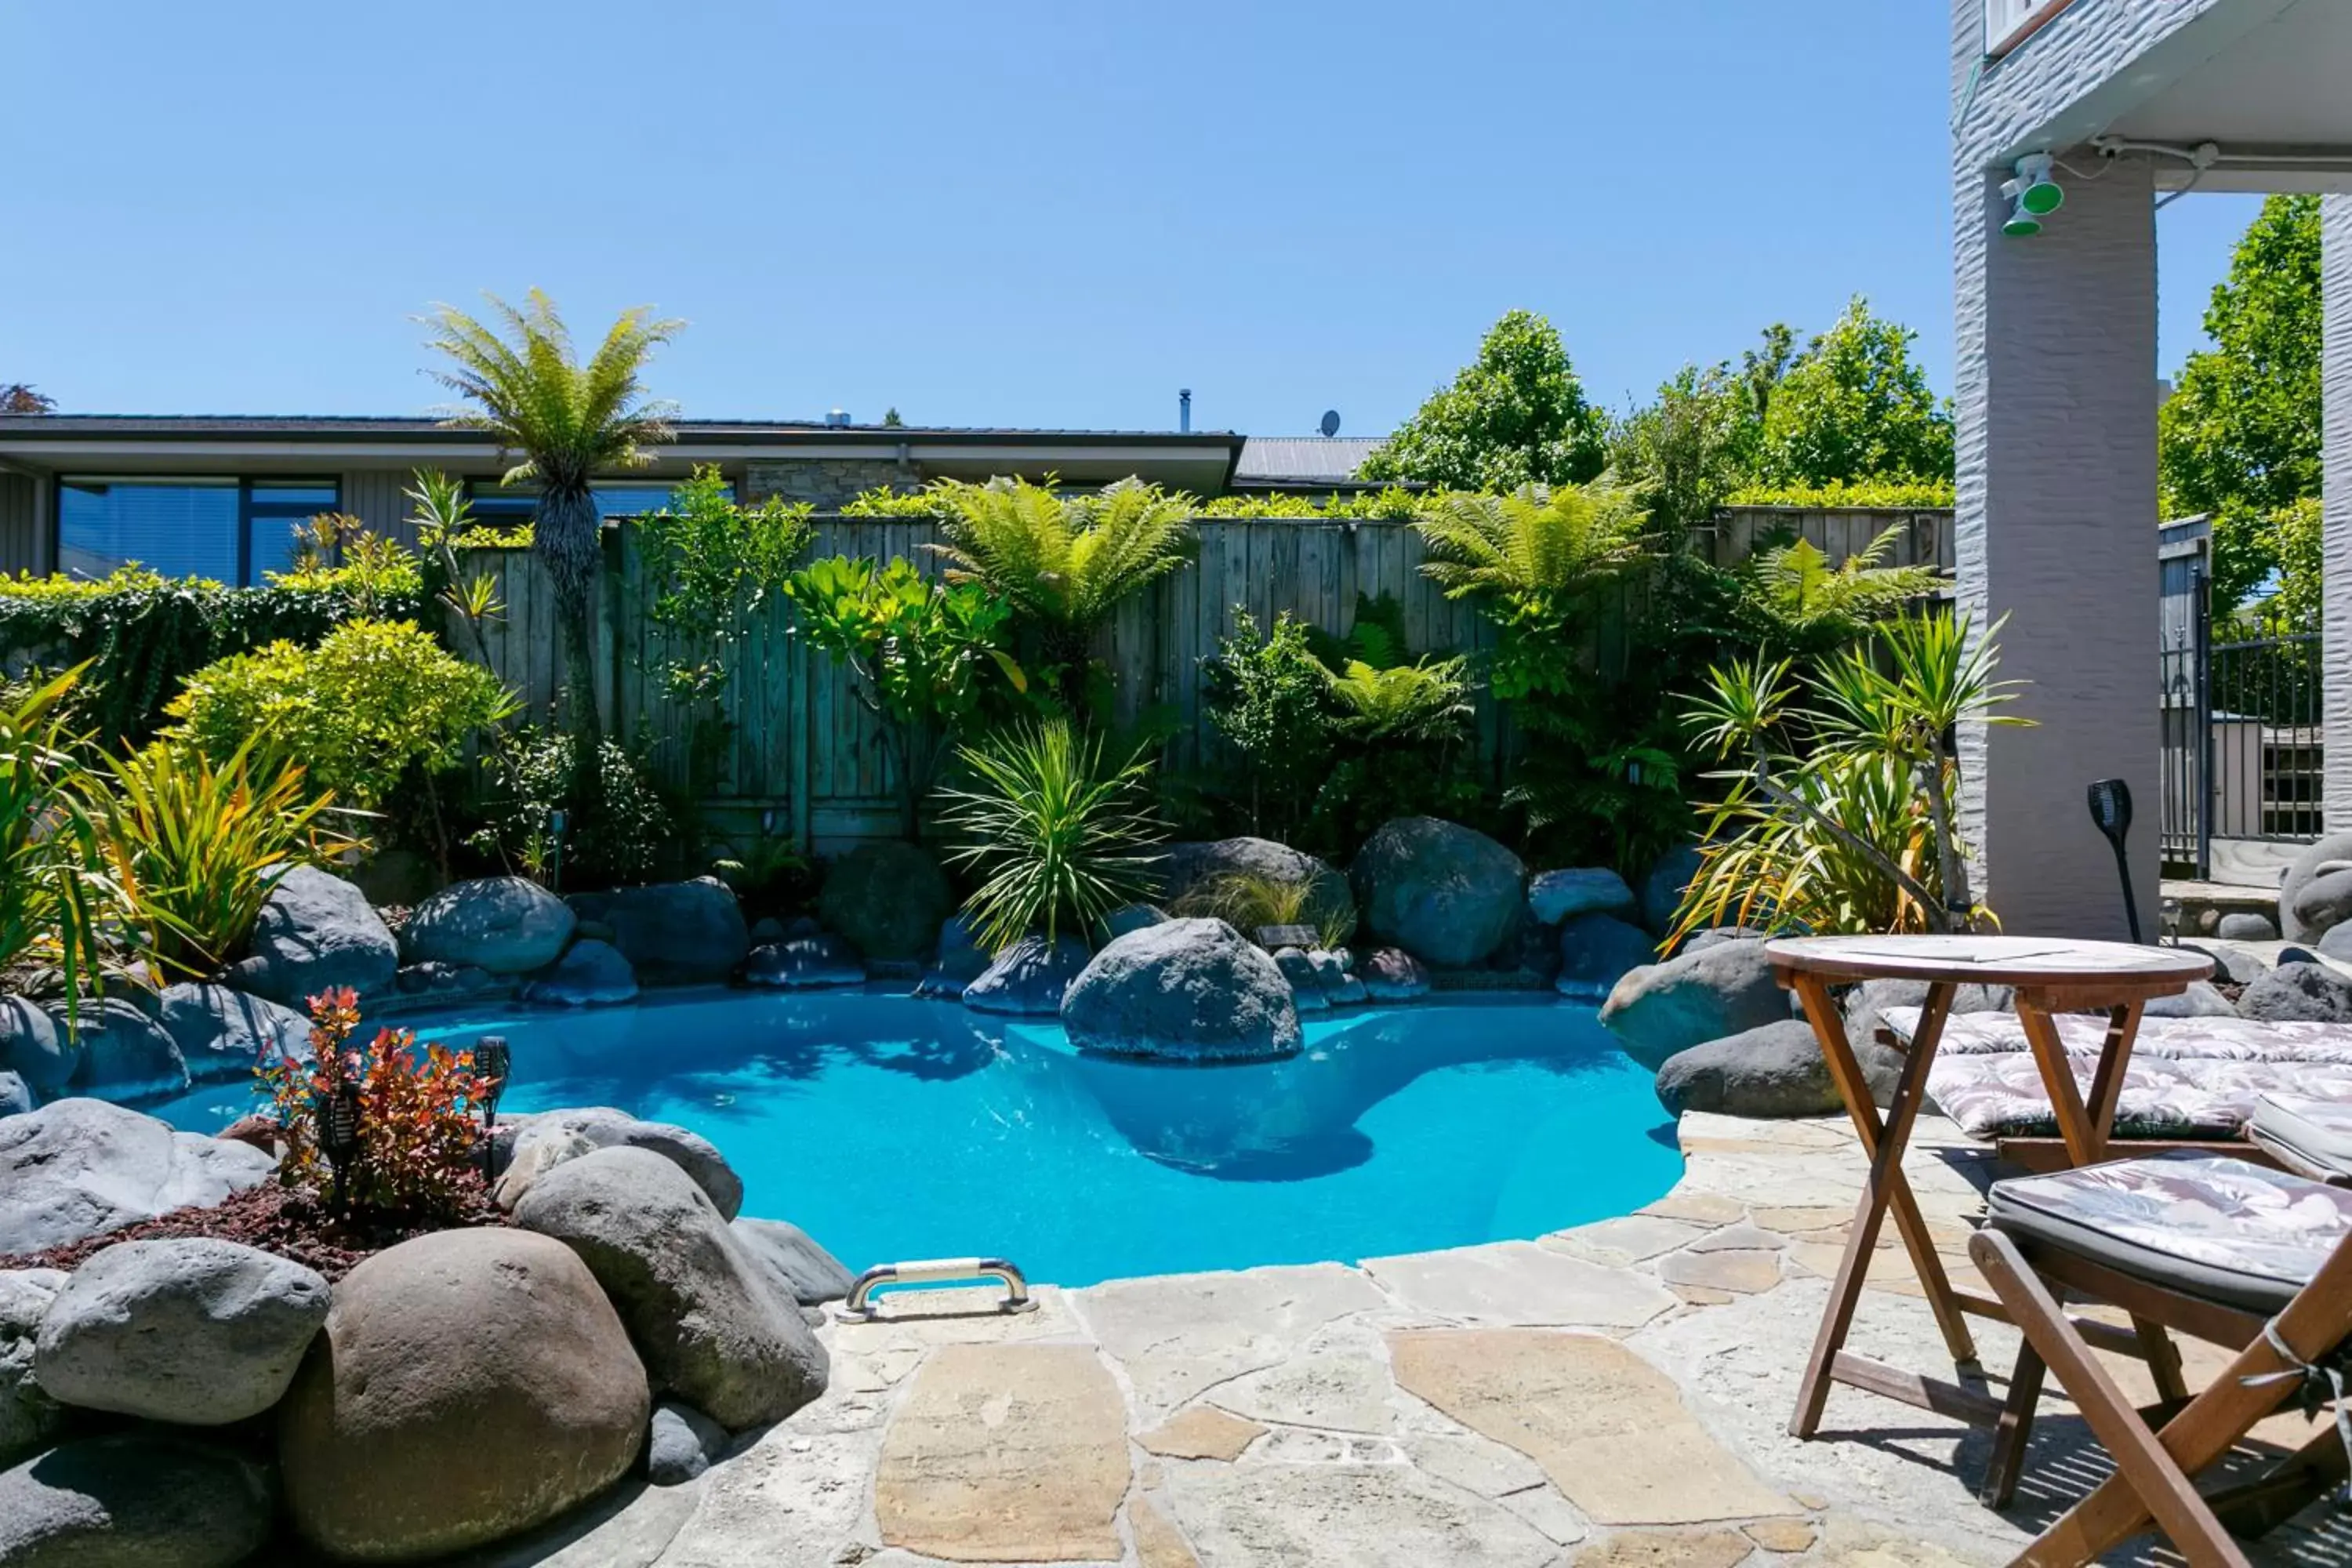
1270	697
712	564
1873	495
1390	502
1060	834
1246	901
53	903
371	701
617	828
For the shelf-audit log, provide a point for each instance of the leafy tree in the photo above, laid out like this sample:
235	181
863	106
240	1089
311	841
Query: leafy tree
1854	405
568	421
1516	416
890	420
18	397
1685	453
2239	438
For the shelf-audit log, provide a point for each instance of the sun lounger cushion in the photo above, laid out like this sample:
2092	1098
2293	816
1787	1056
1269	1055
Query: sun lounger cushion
2187	1078
2314	1136
2222	1229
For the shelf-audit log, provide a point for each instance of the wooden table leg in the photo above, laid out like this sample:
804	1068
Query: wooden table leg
2084	1127
1886	1187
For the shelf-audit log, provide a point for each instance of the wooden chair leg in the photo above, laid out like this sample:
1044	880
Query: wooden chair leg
2163	1358
2015	1431
2155	1479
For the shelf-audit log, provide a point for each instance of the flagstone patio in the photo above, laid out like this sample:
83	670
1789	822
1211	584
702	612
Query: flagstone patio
1609	1397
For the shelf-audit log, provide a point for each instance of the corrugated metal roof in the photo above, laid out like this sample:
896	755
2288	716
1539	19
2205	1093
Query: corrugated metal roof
1302	459
329	426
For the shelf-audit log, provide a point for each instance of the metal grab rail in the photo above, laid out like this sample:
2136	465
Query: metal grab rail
860	1307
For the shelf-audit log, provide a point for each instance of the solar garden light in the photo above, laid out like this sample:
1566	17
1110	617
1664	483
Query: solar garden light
556	822
2032	194
493	1059
2111	808
338	1136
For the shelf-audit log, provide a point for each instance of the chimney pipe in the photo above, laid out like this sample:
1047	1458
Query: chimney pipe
1184	410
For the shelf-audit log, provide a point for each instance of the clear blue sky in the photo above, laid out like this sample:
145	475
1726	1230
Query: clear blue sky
1010	214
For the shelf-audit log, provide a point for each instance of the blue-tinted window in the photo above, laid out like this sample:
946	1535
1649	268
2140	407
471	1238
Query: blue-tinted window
219	529
502	505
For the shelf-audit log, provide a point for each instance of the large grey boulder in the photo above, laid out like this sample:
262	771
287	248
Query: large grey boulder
1190	990
1193	869
15	1095
2200	1001
506	925
1662	1008
122	1050
78	1168
191	1329
2235	964
1556	896
138	1500
802	1269
1125	919
673	933
2244	925
1392	974
886	898
1028	979
960	961
2293	993
1447	894
1596	950
1774	1071
709	1320
803	964
29	1418
33	1048
552	1138
2315	894
681	1443
591	974
222	1033
468	1386
317	932
1661	887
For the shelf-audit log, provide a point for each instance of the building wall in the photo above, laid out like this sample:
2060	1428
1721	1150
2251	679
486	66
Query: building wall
826	483
377	497
23	543
2335	504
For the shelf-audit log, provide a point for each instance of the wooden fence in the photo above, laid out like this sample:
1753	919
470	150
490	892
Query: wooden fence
805	758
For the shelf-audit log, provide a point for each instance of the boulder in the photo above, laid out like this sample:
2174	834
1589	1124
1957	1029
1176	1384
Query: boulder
2241	925
1193	868
2200	1001
681	1443
450	981
317	932
15	1094
400	877
804	962
1774	1071
1125	919
1447	894
2290	993
2235	964
1190	990
1028	979
1706	937
1392	974
222	1033
552	1137
191	1329
78	1168
2336	943
1306	991
1596	950
469	1384
507	925
1556	896
121	1051
800	1267
960	961
1663	1008
2315	894
591	974
887	898
29	1419
149	1499
673	933
33	1048
1661	887
711	1322
1340	984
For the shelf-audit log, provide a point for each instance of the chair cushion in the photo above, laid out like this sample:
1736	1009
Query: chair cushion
2222	1229
2314	1136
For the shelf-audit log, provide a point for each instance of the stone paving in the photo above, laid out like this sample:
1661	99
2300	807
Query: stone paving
1609	1397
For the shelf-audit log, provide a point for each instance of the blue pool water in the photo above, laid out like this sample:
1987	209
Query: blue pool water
891	1128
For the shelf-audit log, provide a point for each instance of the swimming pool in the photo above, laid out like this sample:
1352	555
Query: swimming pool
890	1128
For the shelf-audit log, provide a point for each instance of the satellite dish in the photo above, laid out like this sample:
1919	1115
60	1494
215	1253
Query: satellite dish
1330	422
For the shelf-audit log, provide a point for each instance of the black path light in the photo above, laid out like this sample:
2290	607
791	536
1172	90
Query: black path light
338	1136
2111	808
493	1059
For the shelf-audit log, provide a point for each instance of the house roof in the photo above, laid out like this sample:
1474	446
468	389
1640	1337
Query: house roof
1302	459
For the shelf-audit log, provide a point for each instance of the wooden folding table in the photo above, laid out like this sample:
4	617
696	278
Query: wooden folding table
2047	975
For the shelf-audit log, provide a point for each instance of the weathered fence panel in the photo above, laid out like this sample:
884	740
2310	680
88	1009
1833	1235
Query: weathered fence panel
1925	537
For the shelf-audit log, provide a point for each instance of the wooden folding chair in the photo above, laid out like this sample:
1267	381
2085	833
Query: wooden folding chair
2256	1261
